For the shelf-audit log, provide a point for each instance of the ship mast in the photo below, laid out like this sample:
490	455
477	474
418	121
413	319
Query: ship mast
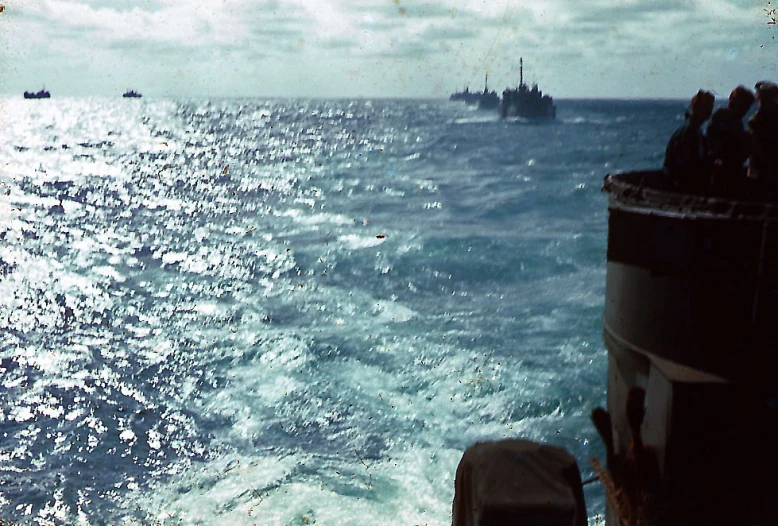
486	82
521	71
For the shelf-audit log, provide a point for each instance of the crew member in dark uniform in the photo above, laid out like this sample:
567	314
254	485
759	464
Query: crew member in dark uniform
686	159
729	144
763	127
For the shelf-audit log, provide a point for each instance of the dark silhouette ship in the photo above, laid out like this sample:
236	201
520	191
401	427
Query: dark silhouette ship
488	100
42	94
466	96
526	102
485	100
131	94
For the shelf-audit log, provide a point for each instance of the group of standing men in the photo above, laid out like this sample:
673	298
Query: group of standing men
729	159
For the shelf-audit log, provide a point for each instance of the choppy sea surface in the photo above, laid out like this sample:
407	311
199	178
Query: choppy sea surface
289	312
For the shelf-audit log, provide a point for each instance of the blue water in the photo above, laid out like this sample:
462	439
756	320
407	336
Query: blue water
287	312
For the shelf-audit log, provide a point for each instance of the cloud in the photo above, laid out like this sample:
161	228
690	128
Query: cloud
340	44
448	42
184	22
407	49
409	10
449	32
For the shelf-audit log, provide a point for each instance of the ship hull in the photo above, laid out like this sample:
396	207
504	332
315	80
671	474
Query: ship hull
527	111
489	103
691	318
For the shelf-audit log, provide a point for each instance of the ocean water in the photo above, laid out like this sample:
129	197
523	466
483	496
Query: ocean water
289	312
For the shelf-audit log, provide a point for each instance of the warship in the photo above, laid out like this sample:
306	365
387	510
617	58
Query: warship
466	96
42	94
526	102
488	100
484	100
131	94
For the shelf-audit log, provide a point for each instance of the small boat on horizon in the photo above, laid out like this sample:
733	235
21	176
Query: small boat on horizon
42	94
131	94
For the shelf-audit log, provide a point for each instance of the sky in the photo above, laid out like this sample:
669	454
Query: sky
385	48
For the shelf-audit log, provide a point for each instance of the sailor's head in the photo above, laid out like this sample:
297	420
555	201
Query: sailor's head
740	100
766	94
702	105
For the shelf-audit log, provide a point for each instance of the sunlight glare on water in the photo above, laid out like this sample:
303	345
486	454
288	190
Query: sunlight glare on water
287	312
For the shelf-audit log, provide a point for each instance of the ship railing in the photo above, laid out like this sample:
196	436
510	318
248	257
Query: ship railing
651	189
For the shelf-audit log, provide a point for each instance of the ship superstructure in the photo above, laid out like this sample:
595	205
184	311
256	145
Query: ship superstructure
690	324
42	94
526	102
484	100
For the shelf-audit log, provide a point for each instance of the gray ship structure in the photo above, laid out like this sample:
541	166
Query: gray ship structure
691	321
484	100
466	96
523	101
488	100
131	94
42	94
526	102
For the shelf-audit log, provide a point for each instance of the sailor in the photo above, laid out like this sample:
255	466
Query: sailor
729	144
763	127
686	157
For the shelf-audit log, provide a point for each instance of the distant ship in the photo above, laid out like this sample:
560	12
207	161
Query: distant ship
466	96
485	100
131	94
42	94
488	100
526	102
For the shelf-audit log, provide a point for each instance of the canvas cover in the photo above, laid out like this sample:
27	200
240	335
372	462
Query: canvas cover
518	483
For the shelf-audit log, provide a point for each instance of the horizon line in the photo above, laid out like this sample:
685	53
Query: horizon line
356	97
